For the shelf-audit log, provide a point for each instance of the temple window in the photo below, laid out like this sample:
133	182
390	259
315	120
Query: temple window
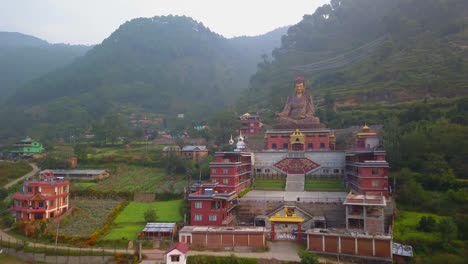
41	204
213	171
285	136
225	171
285	145
198	205
273	146
322	145
273	136
375	183
212	218
226	181
375	171
310	146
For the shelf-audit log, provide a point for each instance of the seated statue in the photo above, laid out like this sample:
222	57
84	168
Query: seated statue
299	108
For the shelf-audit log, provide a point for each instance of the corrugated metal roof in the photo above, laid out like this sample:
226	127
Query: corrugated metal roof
192	148
159	227
402	250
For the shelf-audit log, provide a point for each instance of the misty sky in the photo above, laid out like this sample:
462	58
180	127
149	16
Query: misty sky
90	21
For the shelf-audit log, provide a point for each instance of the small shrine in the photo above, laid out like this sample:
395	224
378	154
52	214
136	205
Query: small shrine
289	218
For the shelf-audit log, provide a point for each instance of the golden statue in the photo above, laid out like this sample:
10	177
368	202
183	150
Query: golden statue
299	108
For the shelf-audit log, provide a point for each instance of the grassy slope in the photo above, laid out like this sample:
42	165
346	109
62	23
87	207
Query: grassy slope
12	170
406	227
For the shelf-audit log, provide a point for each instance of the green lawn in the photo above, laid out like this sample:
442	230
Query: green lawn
131	221
406	227
324	185
124	231
12	170
270	184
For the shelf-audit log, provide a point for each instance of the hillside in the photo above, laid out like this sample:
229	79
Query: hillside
168	65
24	57
364	52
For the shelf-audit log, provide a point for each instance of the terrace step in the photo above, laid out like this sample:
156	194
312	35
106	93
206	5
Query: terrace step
295	182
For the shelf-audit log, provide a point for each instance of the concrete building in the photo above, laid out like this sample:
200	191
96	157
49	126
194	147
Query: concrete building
195	153
41	199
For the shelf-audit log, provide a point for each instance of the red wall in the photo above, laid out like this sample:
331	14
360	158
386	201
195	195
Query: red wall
313	138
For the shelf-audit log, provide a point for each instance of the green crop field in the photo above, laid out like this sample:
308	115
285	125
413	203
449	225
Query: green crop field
406	227
131	178
12	170
324	185
270	184
88	216
131	221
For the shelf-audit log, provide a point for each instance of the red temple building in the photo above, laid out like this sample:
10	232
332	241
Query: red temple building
212	203
41	199
318	139
250	124
366	168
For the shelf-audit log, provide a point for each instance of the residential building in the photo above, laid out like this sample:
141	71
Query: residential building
41	199
177	253
195	153
27	147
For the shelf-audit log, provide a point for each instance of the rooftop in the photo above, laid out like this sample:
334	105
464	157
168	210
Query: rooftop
239	229
363	199
159	227
86	172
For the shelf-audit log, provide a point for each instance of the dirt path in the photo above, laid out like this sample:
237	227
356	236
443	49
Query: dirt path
35	170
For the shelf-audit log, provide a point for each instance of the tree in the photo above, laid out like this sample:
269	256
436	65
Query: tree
308	257
448	229
150	215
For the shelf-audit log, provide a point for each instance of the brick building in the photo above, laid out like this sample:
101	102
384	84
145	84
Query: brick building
212	203
250	124
366	168
41	199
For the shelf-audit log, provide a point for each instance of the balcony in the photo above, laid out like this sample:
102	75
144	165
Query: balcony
28	209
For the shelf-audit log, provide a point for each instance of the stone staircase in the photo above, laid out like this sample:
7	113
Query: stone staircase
295	182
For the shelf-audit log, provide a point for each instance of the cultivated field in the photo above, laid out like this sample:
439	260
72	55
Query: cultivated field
12	170
131	221
131	178
88	216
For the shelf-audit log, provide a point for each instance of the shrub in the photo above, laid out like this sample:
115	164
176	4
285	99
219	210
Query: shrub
308	257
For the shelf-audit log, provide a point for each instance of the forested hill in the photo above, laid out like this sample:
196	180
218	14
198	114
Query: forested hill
361	52
168	64
24	57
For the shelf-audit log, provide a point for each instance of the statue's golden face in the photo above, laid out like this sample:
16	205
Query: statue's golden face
300	88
